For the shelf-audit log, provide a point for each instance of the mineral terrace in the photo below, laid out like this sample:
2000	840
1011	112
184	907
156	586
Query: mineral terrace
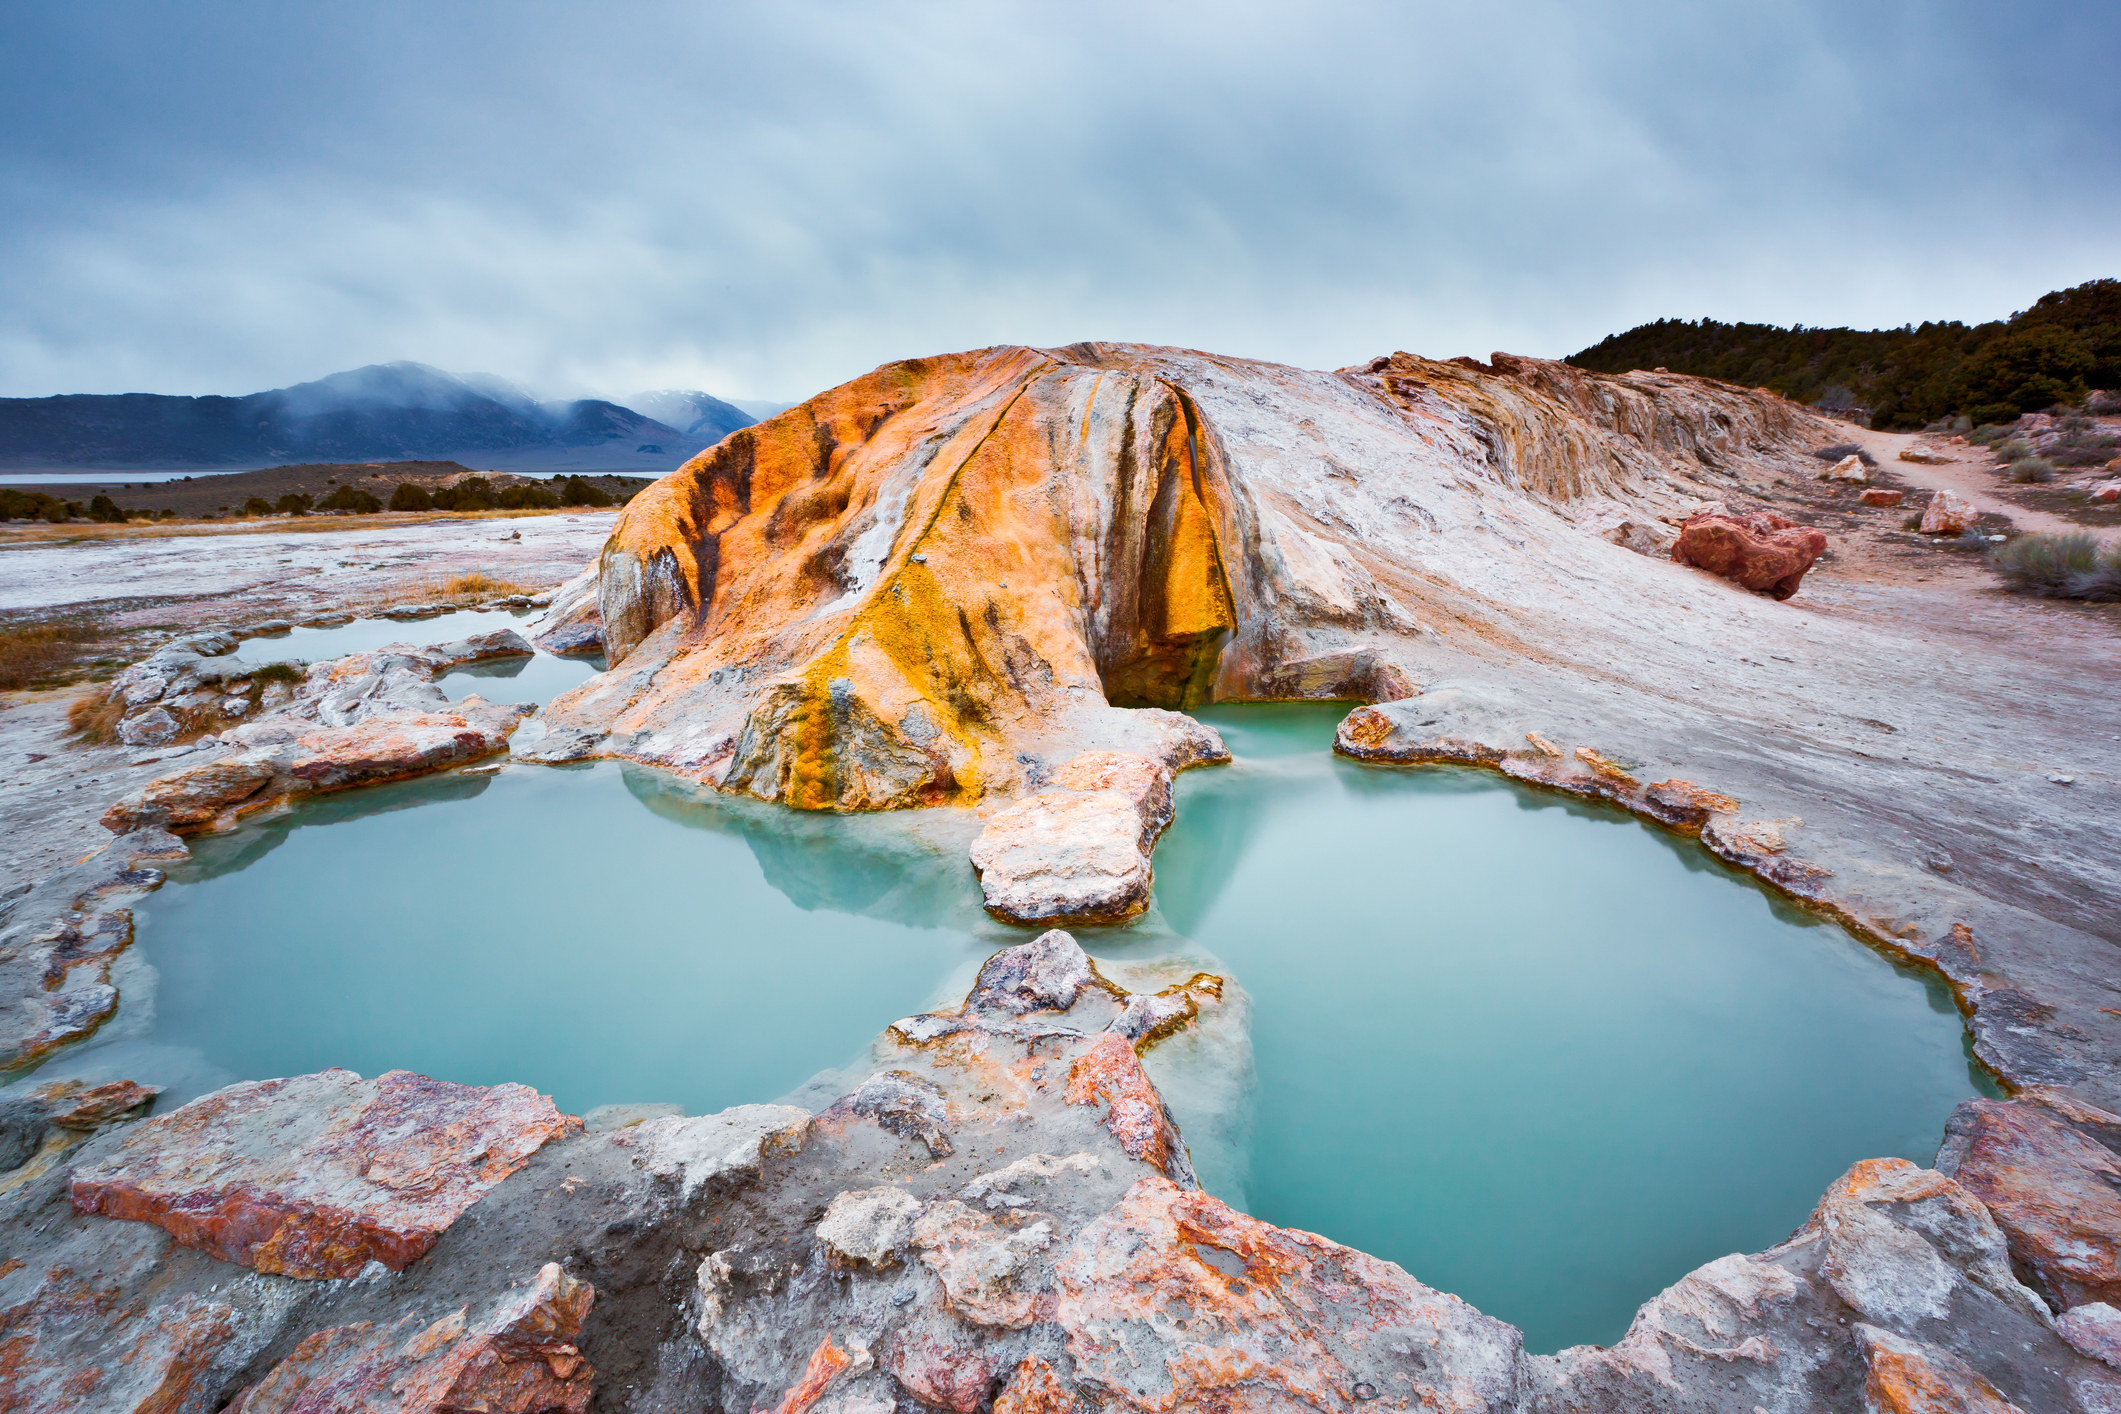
993	581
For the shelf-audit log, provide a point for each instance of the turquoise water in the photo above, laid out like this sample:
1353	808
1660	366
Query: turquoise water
540	925
539	678
1539	1054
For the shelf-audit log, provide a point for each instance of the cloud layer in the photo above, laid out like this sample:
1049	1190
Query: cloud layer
764	201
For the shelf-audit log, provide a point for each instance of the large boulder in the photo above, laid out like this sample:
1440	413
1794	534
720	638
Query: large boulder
2054	1189
1948	513
1173	1300
319	1175
1079	853
1762	551
283	757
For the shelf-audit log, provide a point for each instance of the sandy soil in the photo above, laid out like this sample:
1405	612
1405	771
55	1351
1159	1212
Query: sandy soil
1971	472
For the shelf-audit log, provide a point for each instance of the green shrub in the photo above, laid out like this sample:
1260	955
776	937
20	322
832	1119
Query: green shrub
411	496
529	497
2027	470
257	506
278	672
2073	566
473	493
351	498
1844	449
574	491
2012	449
1988	434
294	503
28	505
103	508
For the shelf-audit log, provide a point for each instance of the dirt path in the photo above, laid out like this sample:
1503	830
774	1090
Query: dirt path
1968	472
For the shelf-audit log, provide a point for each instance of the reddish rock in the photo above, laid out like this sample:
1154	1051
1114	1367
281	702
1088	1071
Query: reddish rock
1172	1300
940	1366
2107	495
1883	496
1948	513
71	1104
1923	456
285	758
2093	1331
2055	1193
1682	803
75	1343
1109	1073
520	1358
386	748
44	1022
190	798
1762	551
318	1175
1906	1376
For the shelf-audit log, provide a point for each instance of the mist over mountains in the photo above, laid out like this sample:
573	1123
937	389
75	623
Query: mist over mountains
386	411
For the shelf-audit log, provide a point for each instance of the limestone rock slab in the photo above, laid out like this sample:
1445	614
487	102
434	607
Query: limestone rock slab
318	1175
2055	1192
1174	1300
516	1357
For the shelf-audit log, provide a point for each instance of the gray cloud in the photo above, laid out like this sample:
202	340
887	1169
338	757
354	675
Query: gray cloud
763	201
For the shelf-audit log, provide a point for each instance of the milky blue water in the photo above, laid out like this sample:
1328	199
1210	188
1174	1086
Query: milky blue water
535	679
1540	1054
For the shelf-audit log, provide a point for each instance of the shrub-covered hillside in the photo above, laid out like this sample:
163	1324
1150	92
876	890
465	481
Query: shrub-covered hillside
2067	343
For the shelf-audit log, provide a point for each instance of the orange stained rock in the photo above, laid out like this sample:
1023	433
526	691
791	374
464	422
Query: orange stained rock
923	586
826	1364
1909	1377
2055	1193
1110	1073
1034	1389
1605	766
1245	1316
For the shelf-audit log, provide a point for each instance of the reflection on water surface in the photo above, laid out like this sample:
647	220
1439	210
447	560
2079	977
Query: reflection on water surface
1539	1054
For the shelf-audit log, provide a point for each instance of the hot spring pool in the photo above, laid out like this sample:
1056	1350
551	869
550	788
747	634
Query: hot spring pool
539	678
1539	1054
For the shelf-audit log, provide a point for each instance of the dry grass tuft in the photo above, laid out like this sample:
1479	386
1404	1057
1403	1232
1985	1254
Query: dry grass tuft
93	719
474	588
34	653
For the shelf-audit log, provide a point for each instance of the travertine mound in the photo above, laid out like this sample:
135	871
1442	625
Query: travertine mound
940	580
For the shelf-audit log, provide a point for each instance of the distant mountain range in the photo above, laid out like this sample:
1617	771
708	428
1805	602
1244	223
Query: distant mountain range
386	411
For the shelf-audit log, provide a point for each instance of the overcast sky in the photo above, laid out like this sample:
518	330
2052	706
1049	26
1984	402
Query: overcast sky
766	200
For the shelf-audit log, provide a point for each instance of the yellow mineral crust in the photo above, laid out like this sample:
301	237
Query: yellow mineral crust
915	588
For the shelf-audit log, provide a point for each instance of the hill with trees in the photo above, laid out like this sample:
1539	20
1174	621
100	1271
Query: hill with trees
2067	344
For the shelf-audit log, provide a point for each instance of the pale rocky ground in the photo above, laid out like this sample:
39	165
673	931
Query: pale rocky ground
145	590
1901	744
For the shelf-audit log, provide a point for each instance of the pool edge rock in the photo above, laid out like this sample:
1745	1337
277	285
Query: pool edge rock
1029	1237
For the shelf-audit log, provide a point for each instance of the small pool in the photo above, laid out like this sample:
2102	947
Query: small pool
1538	1053
539	678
